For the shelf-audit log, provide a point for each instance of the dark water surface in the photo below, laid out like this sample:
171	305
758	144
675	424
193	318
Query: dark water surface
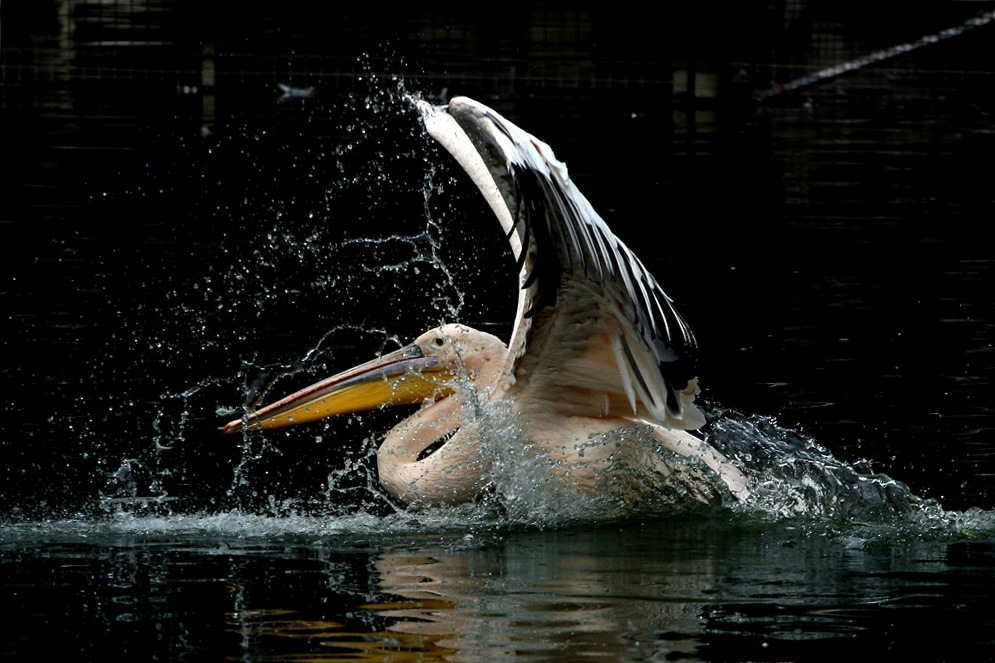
368	589
181	236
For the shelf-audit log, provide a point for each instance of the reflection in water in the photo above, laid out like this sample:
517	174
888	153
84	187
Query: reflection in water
326	640
501	596
551	599
703	588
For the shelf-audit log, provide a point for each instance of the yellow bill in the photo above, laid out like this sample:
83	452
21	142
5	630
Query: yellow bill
402	377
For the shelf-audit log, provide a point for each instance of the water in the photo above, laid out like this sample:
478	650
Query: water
706	588
177	252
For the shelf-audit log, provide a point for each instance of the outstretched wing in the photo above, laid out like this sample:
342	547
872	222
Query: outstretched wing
595	334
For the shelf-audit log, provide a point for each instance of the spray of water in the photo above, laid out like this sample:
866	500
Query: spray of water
792	476
298	256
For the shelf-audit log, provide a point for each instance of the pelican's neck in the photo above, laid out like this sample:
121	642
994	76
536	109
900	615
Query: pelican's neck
453	473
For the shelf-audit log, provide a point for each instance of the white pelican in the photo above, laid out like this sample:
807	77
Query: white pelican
599	375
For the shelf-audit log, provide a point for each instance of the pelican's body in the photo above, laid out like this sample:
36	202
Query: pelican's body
597	381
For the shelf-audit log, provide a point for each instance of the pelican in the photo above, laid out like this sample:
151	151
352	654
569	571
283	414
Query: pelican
598	377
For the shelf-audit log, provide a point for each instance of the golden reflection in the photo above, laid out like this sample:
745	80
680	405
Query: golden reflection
548	596
324	641
548	601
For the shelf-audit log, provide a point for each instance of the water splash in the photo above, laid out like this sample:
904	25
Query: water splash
294	234
281	249
794	477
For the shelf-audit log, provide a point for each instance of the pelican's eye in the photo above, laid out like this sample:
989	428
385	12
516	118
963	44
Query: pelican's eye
439	341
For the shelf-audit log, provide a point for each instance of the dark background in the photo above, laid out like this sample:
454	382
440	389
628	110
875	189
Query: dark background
173	246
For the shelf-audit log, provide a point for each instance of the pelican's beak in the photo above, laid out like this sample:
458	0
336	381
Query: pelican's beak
399	378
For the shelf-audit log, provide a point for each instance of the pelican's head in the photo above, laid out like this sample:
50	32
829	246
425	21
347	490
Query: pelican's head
463	351
427	370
